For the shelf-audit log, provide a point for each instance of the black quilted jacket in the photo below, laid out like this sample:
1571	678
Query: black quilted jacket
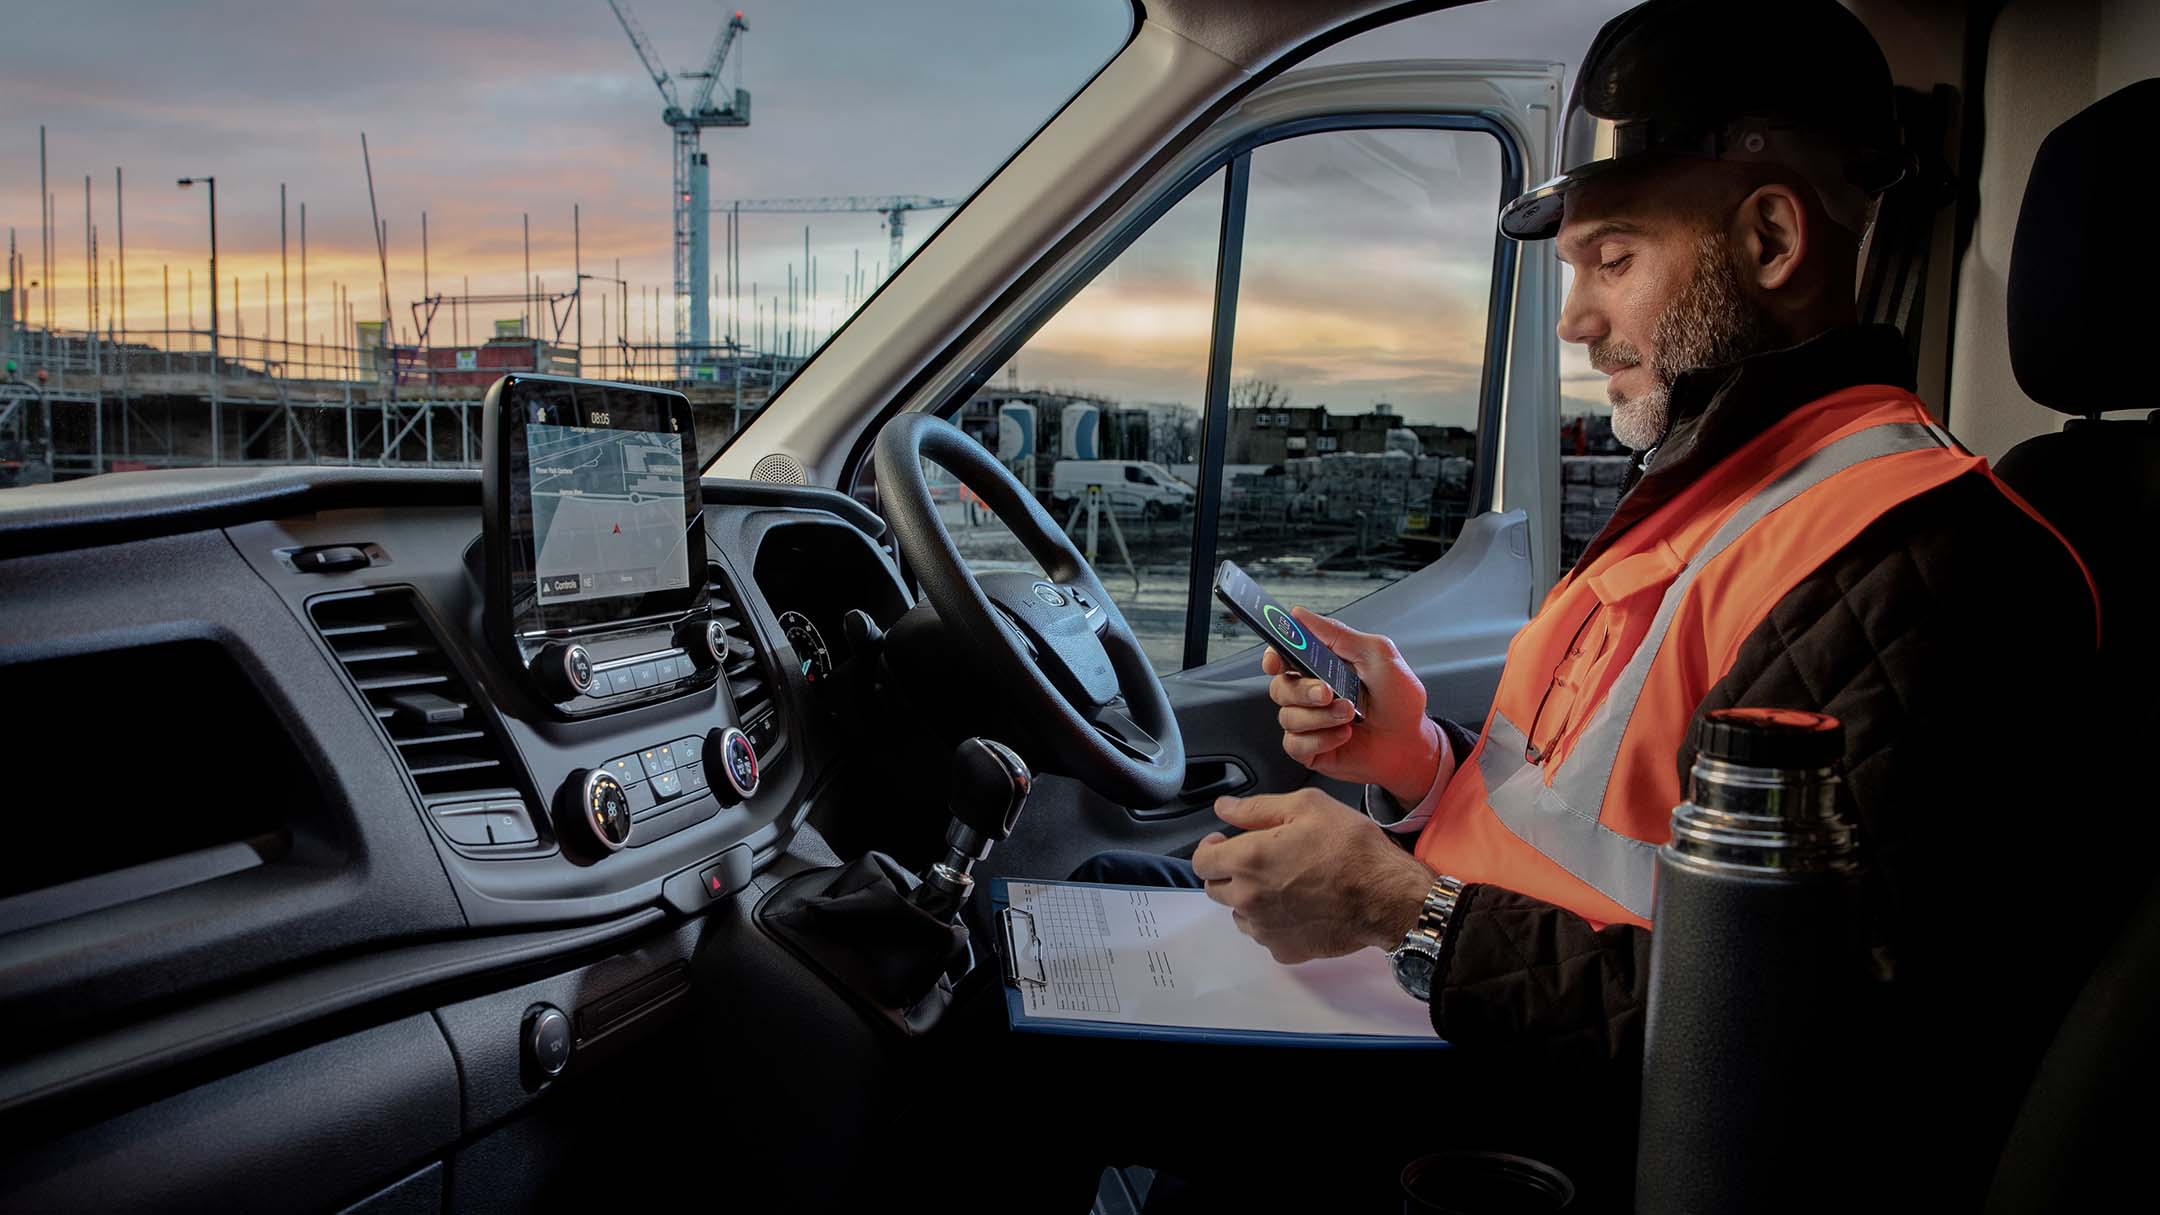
1952	638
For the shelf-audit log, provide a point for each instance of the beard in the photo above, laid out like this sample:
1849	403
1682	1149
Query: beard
1710	323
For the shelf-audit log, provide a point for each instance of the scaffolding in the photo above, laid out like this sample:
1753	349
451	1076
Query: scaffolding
77	404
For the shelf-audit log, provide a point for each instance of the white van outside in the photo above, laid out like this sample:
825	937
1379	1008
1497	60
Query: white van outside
1131	486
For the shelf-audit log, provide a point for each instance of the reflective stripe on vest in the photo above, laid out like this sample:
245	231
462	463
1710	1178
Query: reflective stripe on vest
1561	819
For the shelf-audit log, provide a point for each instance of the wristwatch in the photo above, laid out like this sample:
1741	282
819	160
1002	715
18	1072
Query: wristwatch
1418	956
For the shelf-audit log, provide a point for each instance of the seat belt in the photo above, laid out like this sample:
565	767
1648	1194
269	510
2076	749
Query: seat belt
1893	276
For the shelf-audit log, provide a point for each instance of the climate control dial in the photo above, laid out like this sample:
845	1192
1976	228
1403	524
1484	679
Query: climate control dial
600	803
737	760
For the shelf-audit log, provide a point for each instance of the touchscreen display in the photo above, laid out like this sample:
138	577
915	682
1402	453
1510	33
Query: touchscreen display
593	506
607	512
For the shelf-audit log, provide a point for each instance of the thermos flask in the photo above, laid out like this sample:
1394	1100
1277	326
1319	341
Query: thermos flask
1759	978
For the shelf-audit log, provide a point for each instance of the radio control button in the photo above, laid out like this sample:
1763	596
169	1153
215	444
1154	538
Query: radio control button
564	670
619	681
647	674
684	667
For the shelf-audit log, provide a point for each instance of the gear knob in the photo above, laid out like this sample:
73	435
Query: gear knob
989	786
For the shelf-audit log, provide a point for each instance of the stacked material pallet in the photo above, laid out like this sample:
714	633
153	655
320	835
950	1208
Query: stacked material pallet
1589	492
1385	487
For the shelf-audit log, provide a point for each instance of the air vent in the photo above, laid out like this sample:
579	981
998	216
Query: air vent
747	681
433	719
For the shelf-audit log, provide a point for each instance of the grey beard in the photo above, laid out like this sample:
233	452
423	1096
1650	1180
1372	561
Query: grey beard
1709	324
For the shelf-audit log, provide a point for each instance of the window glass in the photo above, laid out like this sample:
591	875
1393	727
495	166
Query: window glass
1099	414
1538	31
1359	357
535	213
1593	464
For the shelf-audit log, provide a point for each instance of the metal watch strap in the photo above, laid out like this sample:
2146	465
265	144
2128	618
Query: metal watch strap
1439	906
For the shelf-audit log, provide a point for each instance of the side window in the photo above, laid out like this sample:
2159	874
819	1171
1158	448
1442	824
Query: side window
1358	363
1593	464
1116	377
1351	413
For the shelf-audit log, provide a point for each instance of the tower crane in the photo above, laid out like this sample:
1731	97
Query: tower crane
693	306
894	207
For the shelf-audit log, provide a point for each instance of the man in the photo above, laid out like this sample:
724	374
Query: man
1801	534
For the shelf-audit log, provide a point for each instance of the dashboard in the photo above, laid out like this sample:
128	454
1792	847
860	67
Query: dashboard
316	769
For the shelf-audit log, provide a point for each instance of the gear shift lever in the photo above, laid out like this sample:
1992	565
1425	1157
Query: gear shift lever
990	785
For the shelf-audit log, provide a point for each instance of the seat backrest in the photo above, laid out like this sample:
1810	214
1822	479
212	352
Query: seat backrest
2075	349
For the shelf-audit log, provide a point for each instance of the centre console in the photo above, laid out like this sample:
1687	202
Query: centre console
596	596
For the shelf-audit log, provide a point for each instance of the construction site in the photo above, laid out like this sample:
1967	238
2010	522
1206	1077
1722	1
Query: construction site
399	382
281	368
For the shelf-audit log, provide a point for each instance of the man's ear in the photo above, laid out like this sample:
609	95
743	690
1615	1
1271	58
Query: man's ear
1772	235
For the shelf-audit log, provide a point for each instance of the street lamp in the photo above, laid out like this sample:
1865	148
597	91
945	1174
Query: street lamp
211	182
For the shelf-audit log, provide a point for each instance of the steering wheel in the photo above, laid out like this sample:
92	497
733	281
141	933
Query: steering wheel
1058	644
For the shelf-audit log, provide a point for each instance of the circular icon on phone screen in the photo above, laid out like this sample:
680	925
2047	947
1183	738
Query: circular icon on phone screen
1284	627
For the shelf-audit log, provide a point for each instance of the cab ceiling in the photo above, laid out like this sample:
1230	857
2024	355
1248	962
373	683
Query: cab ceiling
1254	33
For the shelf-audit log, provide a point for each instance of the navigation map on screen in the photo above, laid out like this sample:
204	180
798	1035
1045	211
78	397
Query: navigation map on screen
607	509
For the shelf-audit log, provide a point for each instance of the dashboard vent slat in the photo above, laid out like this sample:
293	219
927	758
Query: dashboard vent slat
748	682
394	658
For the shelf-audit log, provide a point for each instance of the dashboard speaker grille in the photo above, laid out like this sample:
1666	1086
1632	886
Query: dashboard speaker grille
780	468
748	683
397	662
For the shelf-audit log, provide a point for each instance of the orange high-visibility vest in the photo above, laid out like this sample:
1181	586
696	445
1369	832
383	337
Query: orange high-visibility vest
1570	789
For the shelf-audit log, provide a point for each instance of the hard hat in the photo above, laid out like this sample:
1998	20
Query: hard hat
1799	83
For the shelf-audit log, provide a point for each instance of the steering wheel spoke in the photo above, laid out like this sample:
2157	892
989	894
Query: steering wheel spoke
1116	725
1097	618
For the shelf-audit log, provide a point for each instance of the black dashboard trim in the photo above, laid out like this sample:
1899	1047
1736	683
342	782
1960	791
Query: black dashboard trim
119	507
85	1068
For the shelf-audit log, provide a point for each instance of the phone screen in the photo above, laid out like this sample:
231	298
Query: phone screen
1264	615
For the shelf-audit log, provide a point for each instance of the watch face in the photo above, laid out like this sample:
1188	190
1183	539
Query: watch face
1414	970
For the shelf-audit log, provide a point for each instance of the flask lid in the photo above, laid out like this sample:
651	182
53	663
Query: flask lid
1769	738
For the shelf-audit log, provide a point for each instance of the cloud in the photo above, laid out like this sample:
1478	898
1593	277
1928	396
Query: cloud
1367	265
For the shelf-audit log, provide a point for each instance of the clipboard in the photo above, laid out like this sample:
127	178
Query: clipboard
1023	966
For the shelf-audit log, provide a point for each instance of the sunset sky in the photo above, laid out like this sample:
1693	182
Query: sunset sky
478	112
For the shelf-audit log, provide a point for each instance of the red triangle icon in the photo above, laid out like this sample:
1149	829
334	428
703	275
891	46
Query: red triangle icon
618	529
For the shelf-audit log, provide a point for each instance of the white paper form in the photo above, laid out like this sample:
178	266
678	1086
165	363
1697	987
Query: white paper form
1173	957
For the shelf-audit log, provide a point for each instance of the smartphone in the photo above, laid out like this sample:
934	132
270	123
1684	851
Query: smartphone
1305	653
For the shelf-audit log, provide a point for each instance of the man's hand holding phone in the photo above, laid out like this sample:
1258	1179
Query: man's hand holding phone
1396	747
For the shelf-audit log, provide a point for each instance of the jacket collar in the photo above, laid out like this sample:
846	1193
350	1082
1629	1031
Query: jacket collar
1715	410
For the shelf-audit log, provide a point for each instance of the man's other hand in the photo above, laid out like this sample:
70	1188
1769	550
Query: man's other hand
1396	747
1310	877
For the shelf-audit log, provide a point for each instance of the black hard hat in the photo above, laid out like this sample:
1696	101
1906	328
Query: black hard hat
1776	81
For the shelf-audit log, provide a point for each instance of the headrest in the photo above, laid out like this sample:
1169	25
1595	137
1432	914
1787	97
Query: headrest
2073	324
